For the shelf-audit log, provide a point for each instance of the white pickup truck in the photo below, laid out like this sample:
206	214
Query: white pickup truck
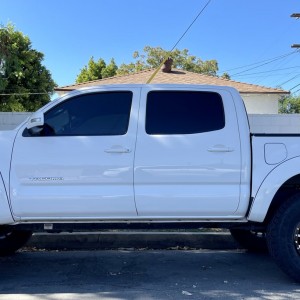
151	156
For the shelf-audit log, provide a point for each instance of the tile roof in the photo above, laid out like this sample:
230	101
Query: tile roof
176	76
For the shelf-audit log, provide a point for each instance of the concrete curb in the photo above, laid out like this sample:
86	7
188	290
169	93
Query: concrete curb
133	240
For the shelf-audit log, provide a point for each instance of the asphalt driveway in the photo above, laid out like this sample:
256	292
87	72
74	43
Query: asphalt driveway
143	274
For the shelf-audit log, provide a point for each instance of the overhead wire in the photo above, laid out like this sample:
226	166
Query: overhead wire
185	32
22	94
279	63
269	71
294	87
285	82
201	11
296	91
278	60
259	62
266	63
277	76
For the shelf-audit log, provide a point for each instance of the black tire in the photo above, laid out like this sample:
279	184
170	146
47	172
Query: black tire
12	240
251	240
283	237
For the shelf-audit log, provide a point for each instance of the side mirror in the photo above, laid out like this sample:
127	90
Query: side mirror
35	123
36	119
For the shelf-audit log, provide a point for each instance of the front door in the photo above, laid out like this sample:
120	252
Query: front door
81	165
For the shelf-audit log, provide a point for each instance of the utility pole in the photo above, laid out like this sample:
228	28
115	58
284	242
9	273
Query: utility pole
297	16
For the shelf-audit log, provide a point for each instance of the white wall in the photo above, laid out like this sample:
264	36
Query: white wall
261	103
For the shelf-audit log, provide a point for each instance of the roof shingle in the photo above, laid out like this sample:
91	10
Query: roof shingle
176	77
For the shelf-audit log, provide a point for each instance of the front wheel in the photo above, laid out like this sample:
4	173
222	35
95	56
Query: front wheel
283	237
12	240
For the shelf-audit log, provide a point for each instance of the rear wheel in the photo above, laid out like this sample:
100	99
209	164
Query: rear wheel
12	240
283	237
253	241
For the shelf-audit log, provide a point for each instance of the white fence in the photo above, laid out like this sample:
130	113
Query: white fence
10	120
277	123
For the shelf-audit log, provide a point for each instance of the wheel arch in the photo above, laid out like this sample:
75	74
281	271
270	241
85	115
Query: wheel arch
278	186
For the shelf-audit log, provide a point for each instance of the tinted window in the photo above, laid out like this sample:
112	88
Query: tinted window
90	114
180	112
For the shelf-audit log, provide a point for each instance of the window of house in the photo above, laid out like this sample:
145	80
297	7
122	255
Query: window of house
183	112
104	113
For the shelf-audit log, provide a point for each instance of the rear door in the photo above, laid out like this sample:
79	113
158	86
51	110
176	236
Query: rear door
188	154
81	165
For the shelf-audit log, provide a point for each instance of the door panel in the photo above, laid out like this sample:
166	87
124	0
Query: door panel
68	173
187	174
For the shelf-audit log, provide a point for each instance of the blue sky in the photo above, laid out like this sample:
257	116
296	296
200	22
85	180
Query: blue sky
234	32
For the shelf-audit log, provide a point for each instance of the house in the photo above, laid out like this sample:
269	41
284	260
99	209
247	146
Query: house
258	99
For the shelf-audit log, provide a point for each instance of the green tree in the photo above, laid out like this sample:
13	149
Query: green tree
110	70
25	84
289	105
225	76
96	70
182	59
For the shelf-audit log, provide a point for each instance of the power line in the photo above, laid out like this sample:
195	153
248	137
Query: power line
275	62
262	76
289	80
281	63
166	57
191	25
269	71
23	94
294	86
259	62
266	63
296	91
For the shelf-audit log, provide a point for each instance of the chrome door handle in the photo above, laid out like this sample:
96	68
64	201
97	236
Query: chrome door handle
117	150
220	149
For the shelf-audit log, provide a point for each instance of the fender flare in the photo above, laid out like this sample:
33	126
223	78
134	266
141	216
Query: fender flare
269	187
5	212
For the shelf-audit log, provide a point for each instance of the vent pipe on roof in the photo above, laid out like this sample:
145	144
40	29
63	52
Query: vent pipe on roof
167	67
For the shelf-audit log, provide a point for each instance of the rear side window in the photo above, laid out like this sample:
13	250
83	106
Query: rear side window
183	112
104	113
